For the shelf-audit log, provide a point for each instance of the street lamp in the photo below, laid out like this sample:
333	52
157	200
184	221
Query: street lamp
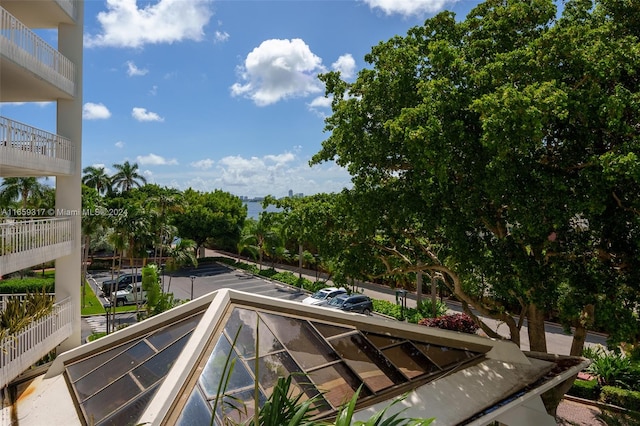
193	277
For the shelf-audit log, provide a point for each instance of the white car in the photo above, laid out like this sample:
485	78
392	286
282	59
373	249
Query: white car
324	295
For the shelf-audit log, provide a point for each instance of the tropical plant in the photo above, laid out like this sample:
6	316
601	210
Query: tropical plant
127	176
96	177
456	322
27	190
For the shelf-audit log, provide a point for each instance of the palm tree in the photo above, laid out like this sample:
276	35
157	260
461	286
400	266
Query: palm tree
127	176
168	200
96	177
183	254
28	190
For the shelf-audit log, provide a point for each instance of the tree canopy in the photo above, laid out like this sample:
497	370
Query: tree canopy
509	142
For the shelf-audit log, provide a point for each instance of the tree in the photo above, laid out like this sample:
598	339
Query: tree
127	176
96	177
496	138
216	217
27	190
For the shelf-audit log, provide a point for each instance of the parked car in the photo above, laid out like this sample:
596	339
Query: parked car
355	303
120	283
324	295
128	296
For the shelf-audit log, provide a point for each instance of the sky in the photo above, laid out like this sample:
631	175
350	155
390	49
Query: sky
210	94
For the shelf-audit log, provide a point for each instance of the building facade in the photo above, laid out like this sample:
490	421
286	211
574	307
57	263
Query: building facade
31	70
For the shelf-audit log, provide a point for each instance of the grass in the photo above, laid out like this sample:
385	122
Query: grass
93	306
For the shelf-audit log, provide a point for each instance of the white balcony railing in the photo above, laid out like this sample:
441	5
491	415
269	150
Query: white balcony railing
28	242
20	351
28	50
22	137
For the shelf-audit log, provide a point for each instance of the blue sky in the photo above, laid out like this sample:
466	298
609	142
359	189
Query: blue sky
223	94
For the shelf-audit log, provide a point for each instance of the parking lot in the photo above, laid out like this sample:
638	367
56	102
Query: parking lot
207	278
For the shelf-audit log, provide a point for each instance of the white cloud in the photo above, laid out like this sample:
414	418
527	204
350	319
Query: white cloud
132	70
141	114
277	70
272	174
321	102
346	65
91	111
221	36
205	164
408	7
123	24
154	90
155	160
119	144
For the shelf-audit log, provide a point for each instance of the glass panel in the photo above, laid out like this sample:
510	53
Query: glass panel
83	366
130	414
212	374
238	406
304	344
337	383
410	360
442	355
113	369
328	330
382	341
159	365
110	399
196	411
372	367
164	337
245	345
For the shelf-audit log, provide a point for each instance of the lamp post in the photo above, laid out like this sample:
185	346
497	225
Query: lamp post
193	277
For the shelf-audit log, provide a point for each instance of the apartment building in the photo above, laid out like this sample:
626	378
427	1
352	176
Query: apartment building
32	70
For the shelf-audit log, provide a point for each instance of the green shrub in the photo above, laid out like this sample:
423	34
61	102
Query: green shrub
610	368
394	310
620	397
587	389
426	308
27	285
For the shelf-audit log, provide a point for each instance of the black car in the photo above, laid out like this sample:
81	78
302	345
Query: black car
119	283
352	303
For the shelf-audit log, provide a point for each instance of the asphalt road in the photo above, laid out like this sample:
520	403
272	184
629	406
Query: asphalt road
210	278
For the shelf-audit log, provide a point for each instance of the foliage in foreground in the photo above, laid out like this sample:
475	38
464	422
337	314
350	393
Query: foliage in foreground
19	313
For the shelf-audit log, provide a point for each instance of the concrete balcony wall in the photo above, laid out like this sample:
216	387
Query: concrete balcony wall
20	351
28	242
42	13
30	69
27	151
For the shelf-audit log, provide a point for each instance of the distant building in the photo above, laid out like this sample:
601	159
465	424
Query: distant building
291	193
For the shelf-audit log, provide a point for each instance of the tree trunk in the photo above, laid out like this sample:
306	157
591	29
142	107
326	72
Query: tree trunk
418	288
535	324
587	317
300	260
551	398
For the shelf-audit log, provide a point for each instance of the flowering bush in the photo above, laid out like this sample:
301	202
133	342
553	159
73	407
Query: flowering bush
455	322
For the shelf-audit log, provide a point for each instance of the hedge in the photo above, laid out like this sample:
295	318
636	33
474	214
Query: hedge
620	397
587	389
30	285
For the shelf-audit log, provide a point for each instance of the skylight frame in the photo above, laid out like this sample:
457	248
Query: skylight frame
370	397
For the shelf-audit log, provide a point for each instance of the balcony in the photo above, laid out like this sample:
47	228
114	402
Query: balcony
27	151
29	242
20	351
43	13
30	69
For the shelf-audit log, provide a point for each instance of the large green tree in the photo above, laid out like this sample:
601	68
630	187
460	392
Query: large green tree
96	177
506	144
216	217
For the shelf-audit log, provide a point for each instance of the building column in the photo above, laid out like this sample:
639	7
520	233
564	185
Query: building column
69	188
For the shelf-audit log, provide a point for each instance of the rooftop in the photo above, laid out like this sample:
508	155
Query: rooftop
166	370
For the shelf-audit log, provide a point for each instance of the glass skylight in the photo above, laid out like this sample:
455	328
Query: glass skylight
115	386
326	361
